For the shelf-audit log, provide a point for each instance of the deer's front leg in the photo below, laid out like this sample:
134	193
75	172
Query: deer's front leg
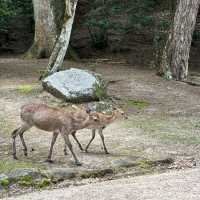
102	138
93	136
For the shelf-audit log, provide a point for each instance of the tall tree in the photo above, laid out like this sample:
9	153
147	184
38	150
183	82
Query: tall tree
62	43
48	16
174	61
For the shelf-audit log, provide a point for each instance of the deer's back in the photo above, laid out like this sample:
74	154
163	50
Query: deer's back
43	116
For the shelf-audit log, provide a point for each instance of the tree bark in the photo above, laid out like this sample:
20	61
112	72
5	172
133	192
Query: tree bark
174	61
59	51
48	15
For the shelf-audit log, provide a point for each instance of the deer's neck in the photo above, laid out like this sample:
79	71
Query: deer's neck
85	122
111	118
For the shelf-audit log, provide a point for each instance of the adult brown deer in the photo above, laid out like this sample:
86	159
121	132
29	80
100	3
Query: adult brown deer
54	120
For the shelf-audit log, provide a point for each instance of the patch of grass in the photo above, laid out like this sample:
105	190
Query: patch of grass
28	56
9	165
93	66
43	183
144	164
25	89
167	130
139	104
26	181
100	92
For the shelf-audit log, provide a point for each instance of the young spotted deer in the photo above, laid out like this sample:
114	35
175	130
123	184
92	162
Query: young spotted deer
54	120
102	121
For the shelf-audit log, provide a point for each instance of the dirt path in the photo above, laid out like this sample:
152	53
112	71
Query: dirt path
182	185
164	116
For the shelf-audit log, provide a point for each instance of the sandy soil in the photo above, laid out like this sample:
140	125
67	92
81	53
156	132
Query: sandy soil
168	127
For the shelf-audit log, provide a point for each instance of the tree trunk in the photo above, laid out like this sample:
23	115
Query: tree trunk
174	61
59	51
48	15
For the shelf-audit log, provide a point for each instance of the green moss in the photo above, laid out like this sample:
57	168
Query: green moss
139	104
5	183
26	181
43	183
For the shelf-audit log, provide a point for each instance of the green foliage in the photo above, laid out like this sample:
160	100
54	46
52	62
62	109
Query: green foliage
5	14
9	9
140	14
117	15
100	92
5	183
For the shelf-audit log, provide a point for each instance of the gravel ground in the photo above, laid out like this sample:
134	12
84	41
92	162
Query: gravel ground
183	185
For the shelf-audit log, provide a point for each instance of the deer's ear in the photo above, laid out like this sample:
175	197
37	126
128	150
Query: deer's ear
95	119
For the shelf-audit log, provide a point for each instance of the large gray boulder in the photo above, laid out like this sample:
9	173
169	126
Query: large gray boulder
75	85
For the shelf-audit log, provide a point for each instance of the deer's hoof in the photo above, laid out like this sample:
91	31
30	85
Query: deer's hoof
86	151
78	163
25	154
107	152
15	157
49	161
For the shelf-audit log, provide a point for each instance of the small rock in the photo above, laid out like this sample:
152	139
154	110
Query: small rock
123	163
19	173
59	174
101	106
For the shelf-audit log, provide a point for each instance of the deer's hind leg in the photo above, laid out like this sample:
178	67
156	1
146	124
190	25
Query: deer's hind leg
75	138
77	141
69	145
19	131
55	135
